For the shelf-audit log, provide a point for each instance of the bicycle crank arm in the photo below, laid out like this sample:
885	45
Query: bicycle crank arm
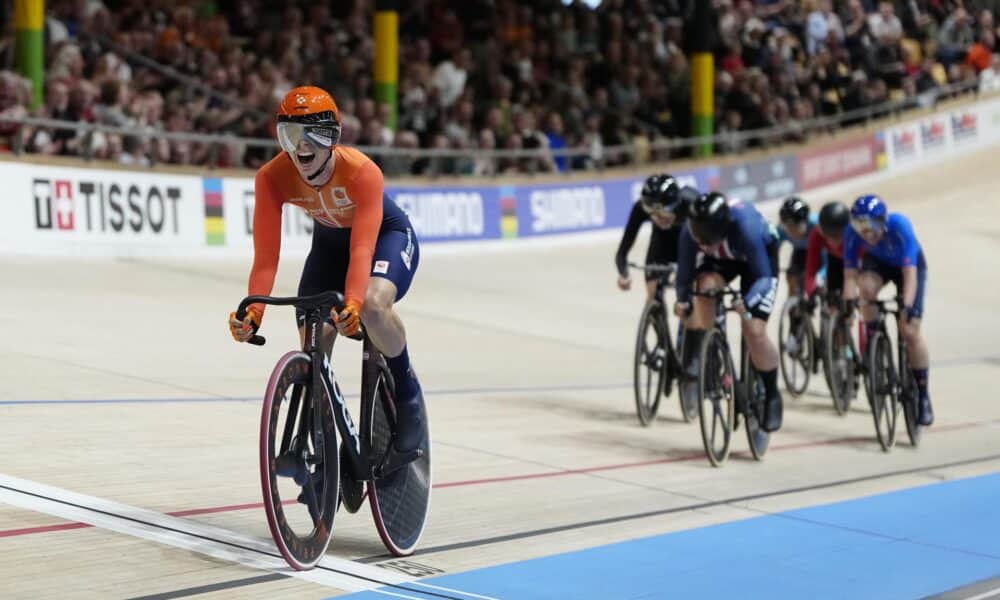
394	460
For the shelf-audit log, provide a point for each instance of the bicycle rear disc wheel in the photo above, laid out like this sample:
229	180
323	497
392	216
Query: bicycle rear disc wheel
301	532
401	500
839	364
649	363
756	396
882	390
717	397
795	347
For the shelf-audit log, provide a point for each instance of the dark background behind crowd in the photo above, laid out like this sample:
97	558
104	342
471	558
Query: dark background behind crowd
481	74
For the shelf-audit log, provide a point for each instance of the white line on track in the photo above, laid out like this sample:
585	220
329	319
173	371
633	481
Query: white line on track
994	593
216	542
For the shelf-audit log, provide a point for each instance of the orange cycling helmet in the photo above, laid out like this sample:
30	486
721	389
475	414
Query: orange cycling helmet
308	112
306	101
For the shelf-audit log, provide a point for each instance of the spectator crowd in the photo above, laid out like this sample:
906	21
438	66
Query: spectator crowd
482	74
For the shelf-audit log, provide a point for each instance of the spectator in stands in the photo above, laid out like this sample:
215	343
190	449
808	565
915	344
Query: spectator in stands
980	56
611	76
823	26
885	25
955	37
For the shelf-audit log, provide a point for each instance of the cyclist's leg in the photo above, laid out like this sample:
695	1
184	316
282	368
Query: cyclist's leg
796	270
916	345
325	269
871	279
834	276
702	317
396	257
763	351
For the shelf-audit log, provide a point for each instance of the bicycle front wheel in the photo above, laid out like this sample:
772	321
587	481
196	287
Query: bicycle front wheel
882	389
650	361
796	345
298	458
838	363
755	397
717	397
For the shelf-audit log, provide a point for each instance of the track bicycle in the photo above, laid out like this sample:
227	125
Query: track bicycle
655	364
723	399
305	475
891	385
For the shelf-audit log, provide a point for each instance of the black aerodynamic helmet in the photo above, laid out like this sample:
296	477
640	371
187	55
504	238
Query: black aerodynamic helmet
660	193
834	218
794	210
708	217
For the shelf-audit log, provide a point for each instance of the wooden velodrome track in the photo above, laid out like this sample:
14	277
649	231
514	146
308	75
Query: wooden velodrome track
130	419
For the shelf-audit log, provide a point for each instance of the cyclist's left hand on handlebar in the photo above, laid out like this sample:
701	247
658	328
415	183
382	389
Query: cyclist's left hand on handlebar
243	330
624	283
348	322
741	308
682	309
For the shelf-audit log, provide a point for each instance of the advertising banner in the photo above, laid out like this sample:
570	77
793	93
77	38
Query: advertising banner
56	206
459	213
760	180
832	164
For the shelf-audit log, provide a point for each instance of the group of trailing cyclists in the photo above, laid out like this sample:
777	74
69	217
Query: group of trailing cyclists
710	240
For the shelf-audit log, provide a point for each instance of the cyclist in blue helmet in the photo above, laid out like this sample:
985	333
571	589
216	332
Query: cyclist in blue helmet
879	247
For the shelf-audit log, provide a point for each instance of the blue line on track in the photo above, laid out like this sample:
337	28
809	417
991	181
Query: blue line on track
446	392
904	544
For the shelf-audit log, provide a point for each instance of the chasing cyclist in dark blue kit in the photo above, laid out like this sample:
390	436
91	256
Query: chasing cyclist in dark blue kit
880	247
662	201
723	241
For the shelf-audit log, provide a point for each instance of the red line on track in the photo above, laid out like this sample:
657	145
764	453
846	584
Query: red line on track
508	478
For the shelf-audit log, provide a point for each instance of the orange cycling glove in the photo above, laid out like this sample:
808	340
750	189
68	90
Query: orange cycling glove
243	331
348	322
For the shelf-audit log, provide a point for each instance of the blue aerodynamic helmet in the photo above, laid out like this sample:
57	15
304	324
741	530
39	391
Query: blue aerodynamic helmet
869	212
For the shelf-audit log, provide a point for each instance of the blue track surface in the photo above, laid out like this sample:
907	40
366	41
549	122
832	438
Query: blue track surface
905	544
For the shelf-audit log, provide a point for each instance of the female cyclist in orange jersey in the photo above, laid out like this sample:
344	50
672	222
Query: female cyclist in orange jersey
363	244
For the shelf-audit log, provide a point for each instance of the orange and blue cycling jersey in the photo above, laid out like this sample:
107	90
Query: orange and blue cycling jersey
351	206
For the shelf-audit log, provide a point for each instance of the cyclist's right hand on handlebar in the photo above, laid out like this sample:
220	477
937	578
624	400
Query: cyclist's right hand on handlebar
624	283
682	309
242	331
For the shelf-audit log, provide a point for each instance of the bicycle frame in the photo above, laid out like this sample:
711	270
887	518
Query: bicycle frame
323	377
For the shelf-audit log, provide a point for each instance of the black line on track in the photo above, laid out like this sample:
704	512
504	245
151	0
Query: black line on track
679	509
230	544
213	587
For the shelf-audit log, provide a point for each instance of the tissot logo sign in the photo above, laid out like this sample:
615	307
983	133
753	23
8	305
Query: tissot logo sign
102	207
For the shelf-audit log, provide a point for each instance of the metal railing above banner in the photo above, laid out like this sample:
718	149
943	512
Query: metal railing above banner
439	161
